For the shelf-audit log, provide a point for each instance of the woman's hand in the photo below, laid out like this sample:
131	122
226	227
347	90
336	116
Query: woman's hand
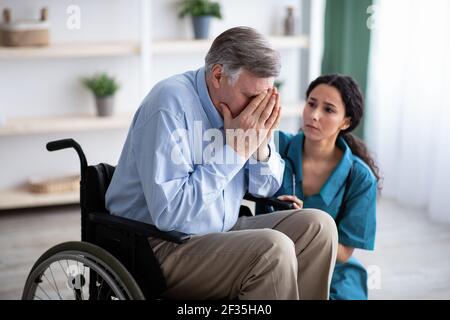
298	204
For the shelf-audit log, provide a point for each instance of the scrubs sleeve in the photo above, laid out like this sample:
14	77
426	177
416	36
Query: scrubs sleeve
356	221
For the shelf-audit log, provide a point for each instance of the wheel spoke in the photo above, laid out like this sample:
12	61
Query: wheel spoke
39	286
68	268
65	273
51	285
54	281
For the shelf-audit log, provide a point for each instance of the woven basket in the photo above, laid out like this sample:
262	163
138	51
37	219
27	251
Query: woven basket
25	32
55	185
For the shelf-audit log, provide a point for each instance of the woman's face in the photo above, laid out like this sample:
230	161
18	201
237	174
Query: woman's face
324	114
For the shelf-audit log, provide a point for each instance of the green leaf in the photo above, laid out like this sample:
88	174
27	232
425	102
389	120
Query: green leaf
198	8
101	85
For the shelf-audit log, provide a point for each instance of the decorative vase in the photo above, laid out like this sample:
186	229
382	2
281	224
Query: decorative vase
201	26
289	22
105	106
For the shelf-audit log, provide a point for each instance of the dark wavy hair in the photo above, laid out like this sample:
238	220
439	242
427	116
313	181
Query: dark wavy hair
354	108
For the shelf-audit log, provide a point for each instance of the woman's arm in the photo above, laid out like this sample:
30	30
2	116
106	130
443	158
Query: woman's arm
344	253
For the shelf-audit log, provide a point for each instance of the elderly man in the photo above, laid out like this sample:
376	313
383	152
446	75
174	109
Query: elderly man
169	176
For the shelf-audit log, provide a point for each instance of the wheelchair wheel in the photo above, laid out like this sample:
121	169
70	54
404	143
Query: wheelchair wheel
79	271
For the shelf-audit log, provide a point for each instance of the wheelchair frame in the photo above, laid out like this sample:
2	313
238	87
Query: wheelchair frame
125	239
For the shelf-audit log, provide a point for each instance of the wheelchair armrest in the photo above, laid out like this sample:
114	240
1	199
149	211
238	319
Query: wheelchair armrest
277	204
140	228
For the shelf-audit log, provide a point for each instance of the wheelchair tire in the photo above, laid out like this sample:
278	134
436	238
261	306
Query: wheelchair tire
114	275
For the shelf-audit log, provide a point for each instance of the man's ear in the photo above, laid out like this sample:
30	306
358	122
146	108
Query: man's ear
217	75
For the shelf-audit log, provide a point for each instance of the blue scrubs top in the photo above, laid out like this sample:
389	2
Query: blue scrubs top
355	220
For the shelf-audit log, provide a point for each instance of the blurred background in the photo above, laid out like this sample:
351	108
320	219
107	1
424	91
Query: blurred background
80	69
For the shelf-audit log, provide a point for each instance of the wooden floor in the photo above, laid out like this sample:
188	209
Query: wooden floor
411	259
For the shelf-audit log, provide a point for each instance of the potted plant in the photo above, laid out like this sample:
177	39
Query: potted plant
103	87
201	11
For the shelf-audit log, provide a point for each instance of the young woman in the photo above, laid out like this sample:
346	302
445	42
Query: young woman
330	169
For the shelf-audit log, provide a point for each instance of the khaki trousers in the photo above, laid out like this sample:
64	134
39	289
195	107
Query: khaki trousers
284	255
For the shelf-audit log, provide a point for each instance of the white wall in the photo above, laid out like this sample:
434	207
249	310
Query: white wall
38	87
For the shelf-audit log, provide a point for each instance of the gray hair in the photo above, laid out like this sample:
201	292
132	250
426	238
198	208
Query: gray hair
243	47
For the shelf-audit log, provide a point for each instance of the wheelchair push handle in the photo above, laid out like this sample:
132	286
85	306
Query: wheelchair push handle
69	143
61	144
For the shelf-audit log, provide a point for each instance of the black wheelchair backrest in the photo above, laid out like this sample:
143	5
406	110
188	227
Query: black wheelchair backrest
123	238
98	178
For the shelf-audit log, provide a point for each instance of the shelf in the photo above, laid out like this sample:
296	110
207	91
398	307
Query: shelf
192	46
111	49
67	123
75	123
72	50
21	198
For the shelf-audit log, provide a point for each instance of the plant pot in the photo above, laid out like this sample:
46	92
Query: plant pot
105	106
201	26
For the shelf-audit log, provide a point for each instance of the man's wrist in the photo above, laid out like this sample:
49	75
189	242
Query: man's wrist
262	156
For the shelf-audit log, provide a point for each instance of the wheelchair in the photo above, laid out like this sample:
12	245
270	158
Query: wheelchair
113	260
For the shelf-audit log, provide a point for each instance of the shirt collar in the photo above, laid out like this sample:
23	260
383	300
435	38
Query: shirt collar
202	90
337	178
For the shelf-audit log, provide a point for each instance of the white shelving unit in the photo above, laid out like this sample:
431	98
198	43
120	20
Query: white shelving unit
22	198
147	50
72	123
202	46
70	50
112	49
21	126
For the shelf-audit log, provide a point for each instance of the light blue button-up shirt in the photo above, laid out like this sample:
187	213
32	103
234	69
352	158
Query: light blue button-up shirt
165	175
